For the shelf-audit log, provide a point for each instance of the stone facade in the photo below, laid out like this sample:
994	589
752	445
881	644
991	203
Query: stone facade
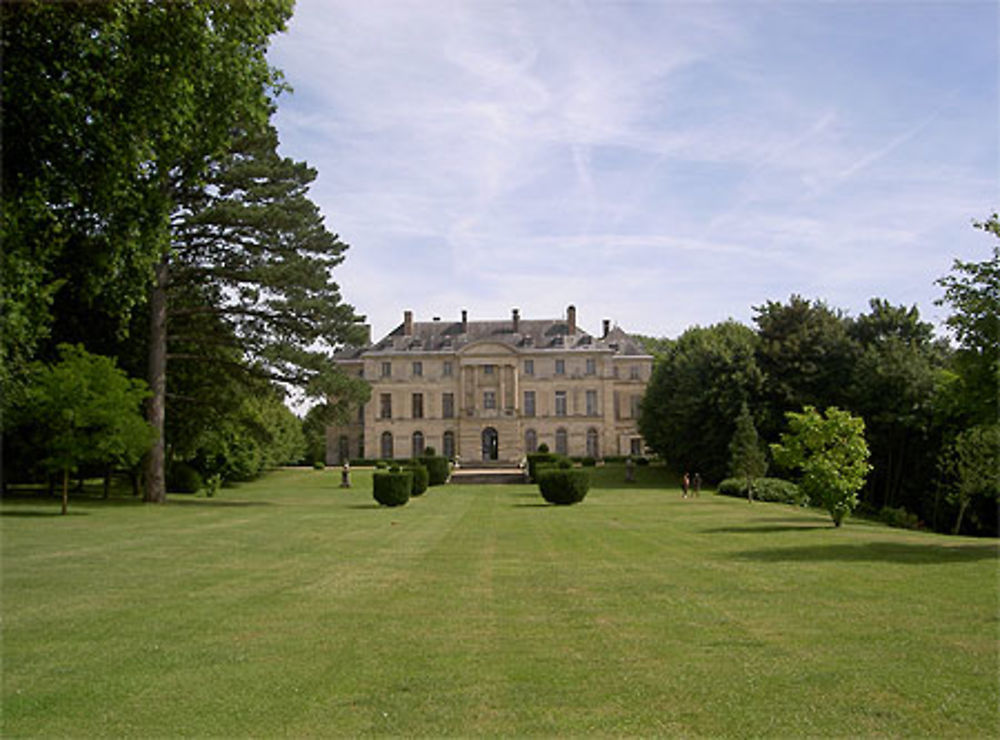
495	390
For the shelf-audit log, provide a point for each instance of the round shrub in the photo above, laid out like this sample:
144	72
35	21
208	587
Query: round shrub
564	487
392	489
319	465
543	447
420	478
381	465
764	489
588	462
564	463
429	452
438	468
182	478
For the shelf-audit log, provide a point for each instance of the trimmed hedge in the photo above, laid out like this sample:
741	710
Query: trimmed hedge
563	487
438	467
420	478
539	458
392	489
764	489
182	478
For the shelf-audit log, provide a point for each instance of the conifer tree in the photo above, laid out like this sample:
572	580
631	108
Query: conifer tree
747	458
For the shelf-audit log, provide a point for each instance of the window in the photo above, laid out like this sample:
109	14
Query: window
449	445
386	369
343	448
633	372
530	441
592	445
591	403
615	371
560	403
489	399
489	369
386	449
418	369
591	366
361	415
418	405
448	405
560	367
562	447
361	445
635	402
385	406
418	444
529	403
635	446
529	367
447	371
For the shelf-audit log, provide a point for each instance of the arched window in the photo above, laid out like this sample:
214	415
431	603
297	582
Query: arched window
592	443
418	444
343	448
530	441
448	448
562	447
386	451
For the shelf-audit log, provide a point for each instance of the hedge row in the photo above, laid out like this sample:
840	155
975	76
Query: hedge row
764	489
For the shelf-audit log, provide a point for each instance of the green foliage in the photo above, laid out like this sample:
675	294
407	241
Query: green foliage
421	477
972	462
392	488
182	478
319	465
806	355
104	105
563	486
438	468
898	517
764	489
536	459
832	454
543	447
695	394
747	458
973	293
81	410
588	462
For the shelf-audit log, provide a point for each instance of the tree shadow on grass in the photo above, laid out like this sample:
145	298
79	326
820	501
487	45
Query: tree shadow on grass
32	514
767	529
873	552
541	504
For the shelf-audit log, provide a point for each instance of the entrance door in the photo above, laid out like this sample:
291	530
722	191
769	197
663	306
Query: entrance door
491	444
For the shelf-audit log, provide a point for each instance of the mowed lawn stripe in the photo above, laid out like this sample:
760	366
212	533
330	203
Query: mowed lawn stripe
292	607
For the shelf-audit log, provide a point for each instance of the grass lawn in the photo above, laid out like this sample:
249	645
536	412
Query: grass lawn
292	607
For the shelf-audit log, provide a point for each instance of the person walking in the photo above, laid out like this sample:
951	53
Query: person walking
685	484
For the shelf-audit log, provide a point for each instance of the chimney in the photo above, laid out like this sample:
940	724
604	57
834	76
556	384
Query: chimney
465	321
516	316
607	328
407	323
366	334
571	319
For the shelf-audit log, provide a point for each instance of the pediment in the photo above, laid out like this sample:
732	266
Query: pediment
487	348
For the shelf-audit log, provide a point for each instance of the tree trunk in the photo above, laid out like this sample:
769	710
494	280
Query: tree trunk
156	484
65	490
961	513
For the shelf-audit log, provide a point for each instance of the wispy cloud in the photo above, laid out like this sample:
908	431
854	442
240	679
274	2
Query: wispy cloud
661	164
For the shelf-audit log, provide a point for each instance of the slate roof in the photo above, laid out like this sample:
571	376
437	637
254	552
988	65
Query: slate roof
449	336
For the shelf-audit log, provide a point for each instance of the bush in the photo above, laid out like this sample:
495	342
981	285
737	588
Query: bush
564	487
381	465
588	462
420	478
642	461
392	489
438	467
539	458
359	462
543	447
564	463
182	478
319	465
899	518
764	489
429	452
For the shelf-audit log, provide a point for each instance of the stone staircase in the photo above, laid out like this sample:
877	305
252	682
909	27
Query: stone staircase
487	473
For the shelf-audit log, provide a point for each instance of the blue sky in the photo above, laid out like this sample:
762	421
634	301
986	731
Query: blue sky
660	164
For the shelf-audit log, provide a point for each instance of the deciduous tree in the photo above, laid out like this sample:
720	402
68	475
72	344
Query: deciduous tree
831	452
